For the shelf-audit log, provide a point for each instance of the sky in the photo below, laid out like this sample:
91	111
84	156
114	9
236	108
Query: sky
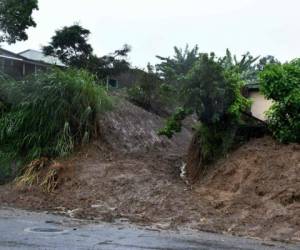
154	27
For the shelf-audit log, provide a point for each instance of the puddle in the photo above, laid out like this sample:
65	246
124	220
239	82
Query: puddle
48	230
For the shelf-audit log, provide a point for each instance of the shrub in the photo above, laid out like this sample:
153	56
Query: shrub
214	94
151	93
281	83
48	115
219	107
173	123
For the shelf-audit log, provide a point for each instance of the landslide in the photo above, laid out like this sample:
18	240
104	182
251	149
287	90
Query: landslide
132	174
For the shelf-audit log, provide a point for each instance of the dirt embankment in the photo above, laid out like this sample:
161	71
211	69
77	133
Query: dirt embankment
130	129
135	175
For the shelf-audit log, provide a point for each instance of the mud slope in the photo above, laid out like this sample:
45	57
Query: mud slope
130	129
257	190
134	175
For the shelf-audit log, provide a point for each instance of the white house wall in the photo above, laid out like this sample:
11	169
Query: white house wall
259	105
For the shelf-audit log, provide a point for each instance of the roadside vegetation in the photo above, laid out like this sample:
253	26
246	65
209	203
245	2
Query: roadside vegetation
281	84
47	115
212	88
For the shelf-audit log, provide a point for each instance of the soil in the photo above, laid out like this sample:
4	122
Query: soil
133	175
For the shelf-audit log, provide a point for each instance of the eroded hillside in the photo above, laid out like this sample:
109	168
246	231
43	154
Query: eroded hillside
132	174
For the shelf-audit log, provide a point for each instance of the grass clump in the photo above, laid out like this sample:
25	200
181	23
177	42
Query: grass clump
47	116
42	173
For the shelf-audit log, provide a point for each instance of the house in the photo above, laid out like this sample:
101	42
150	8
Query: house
25	63
259	102
40	57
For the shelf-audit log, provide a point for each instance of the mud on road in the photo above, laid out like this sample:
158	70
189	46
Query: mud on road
45	231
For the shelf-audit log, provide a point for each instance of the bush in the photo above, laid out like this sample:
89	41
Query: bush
214	94
173	124
281	83
151	93
48	115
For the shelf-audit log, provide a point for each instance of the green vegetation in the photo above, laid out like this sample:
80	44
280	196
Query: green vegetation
173	70
281	83
47	116
173	124
209	86
70	45
214	94
246	67
152	93
15	18
212	89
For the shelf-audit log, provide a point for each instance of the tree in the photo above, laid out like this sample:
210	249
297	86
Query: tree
246	67
110	65
281	83
214	94
150	92
210	90
265	61
174	69
70	45
15	19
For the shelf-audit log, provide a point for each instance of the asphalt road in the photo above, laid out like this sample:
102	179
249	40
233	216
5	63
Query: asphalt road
27	230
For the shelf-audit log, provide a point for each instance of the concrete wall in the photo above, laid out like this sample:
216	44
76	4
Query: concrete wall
259	105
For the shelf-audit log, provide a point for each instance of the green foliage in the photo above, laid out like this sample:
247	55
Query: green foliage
281	83
215	140
213	92
173	70
70	45
49	115
110	65
173	124
143	92
151	93
264	61
246	67
15	18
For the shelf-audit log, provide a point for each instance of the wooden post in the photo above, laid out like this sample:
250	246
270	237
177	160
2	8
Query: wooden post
24	69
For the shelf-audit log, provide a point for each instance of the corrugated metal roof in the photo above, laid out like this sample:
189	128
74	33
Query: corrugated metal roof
39	56
9	54
13	56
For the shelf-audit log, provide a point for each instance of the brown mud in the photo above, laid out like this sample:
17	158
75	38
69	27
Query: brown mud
132	174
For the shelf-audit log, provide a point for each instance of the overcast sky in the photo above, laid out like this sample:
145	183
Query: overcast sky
153	27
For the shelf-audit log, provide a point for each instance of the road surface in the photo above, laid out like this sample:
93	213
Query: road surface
28	230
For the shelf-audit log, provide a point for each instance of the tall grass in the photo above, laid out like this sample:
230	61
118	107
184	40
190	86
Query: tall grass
47	116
